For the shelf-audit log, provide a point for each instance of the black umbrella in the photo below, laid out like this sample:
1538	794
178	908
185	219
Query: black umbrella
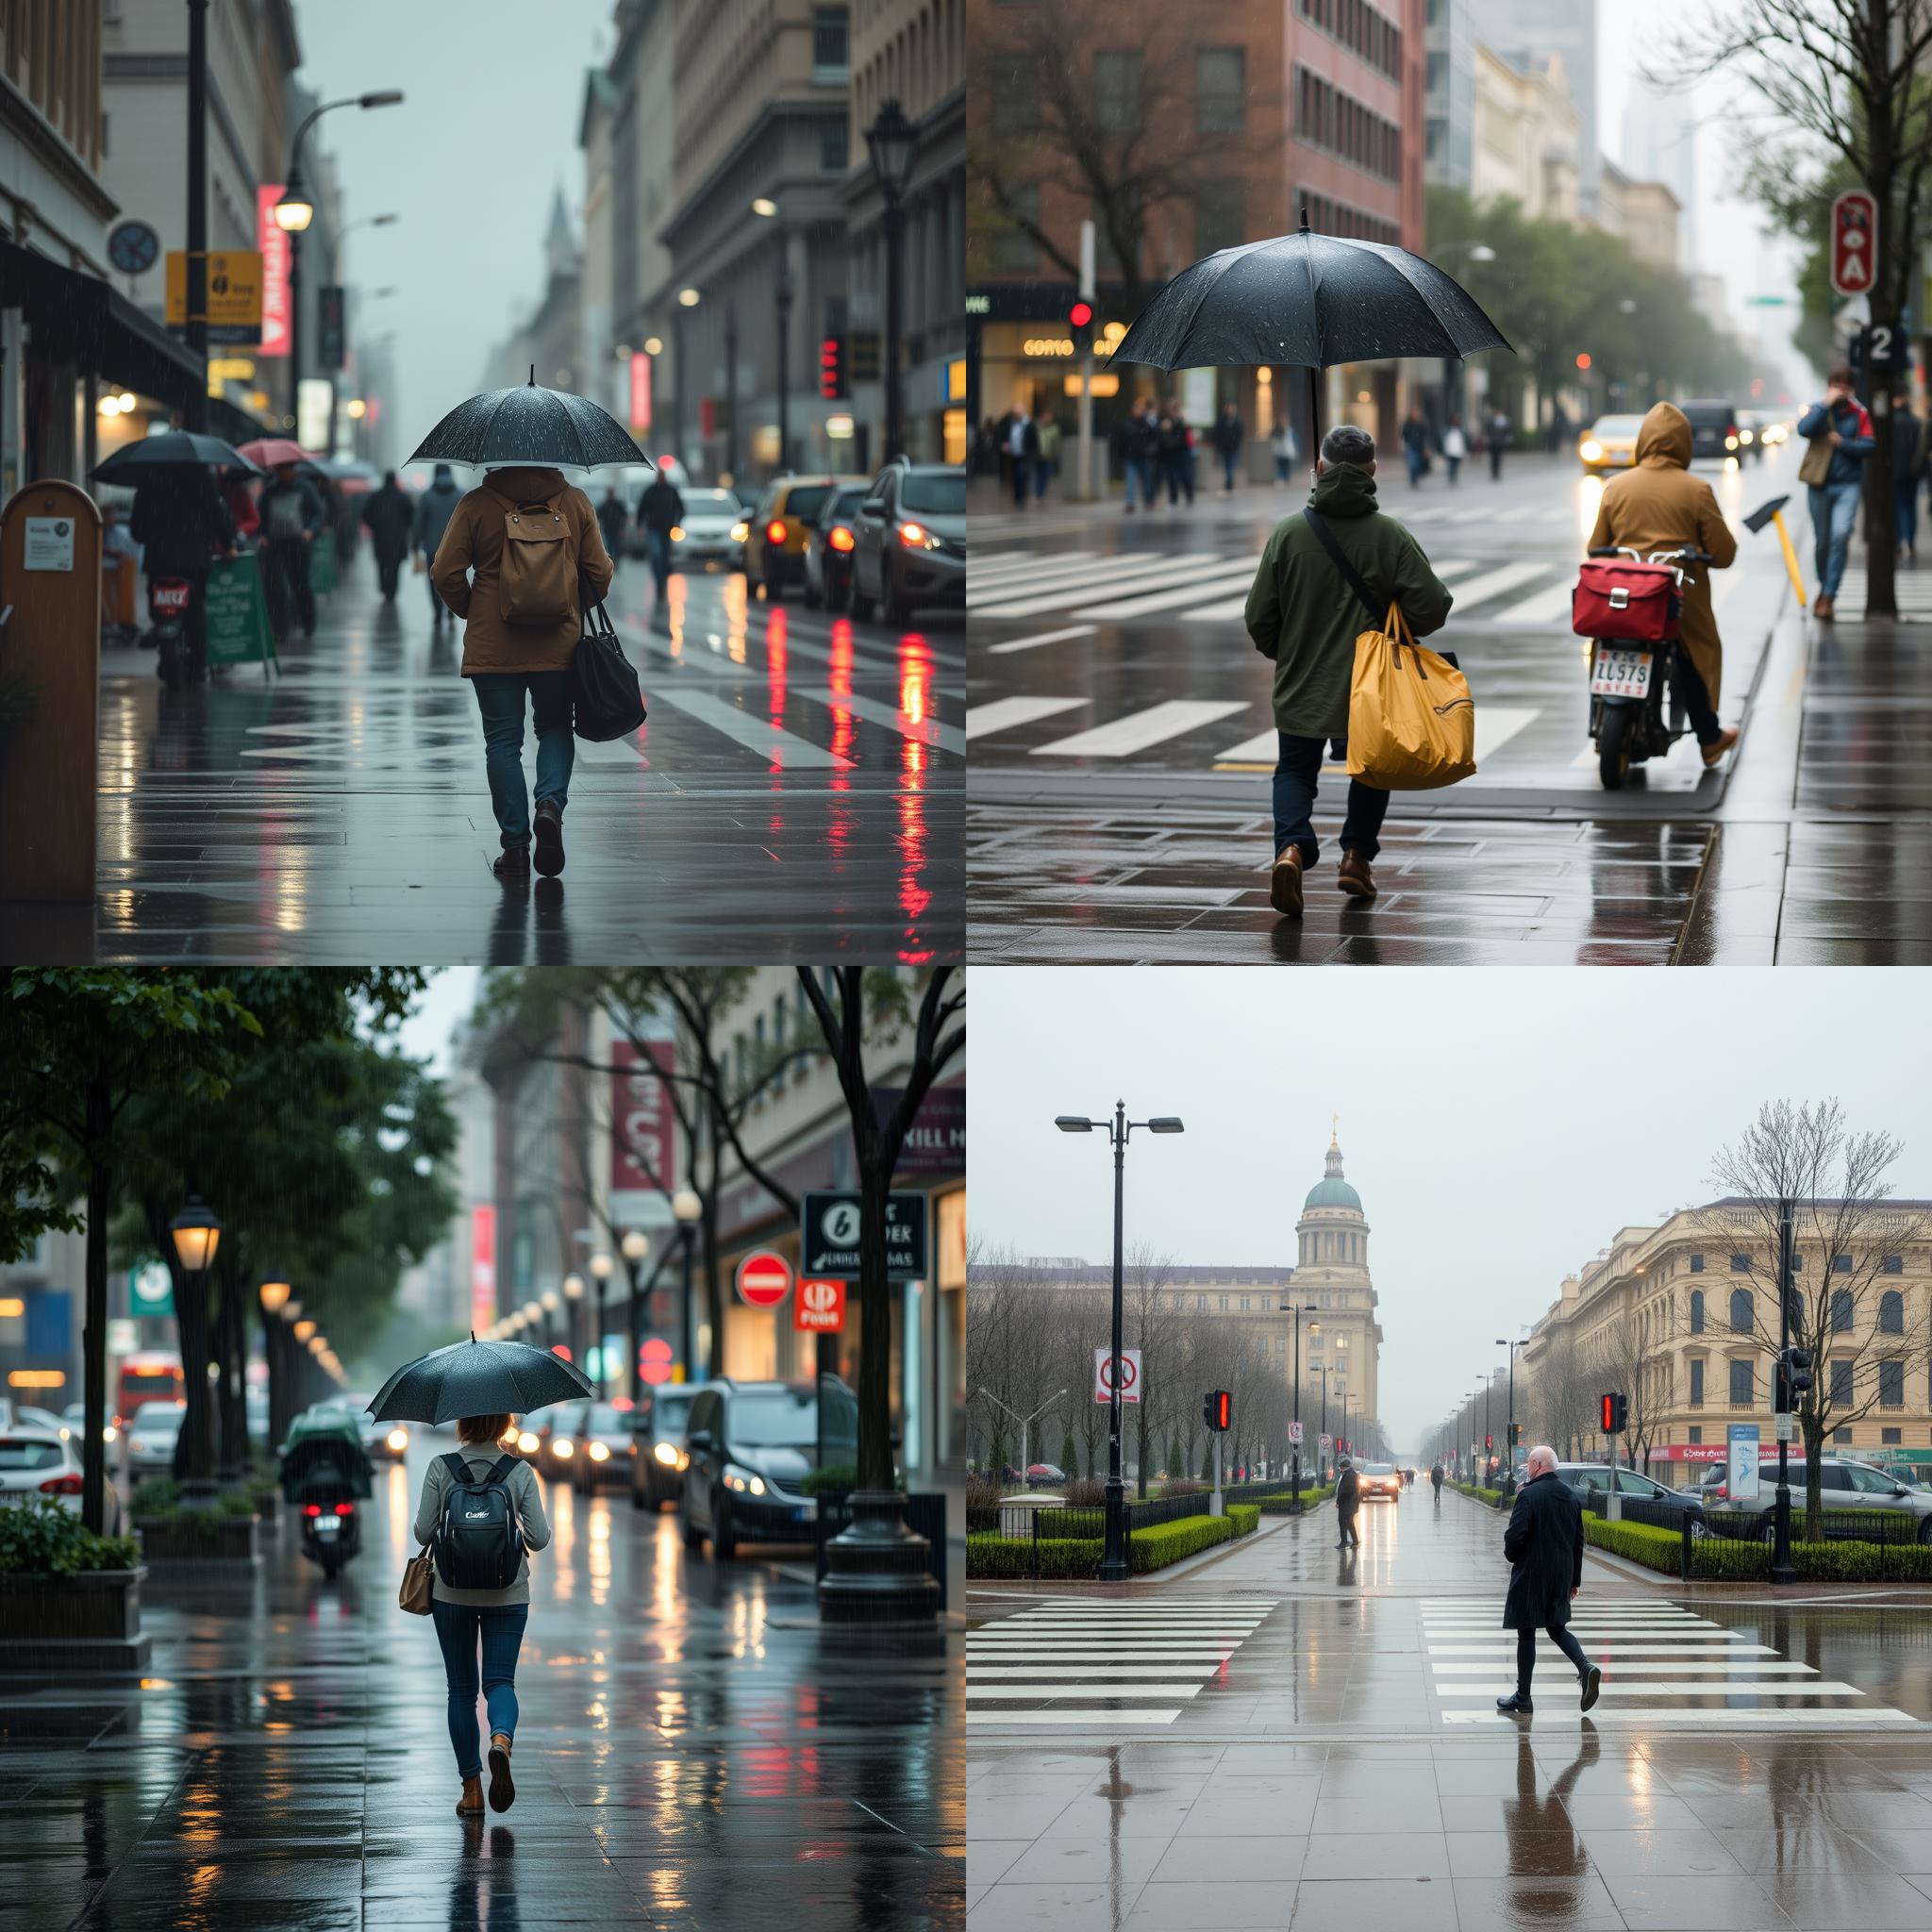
477	1378
1307	301
530	425
172	450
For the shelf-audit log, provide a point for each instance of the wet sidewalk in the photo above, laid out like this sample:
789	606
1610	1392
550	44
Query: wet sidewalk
691	1754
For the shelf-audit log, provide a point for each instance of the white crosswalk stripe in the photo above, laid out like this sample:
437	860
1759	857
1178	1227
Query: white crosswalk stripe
1661	1662
1071	1664
1139	730
1056	587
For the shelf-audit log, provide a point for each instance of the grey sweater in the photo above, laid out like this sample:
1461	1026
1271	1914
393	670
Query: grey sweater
524	1496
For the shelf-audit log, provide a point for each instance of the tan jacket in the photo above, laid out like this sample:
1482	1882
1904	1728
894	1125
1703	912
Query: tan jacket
1660	505
474	543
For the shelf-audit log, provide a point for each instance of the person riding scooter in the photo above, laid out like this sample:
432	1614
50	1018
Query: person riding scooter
1659	506
181	523
324	1471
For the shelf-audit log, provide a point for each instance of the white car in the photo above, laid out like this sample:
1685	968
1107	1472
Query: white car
151	1438
36	1462
713	531
74	1420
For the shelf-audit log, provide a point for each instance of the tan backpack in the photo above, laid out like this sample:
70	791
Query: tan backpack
536	582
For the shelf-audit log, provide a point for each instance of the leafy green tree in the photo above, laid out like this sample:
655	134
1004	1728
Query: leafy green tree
1070	1454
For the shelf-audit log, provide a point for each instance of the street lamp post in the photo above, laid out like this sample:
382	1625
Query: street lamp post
196	1233
1026	1421
1115	1567
731	393
893	141
1782	1568
273	1294
573	1302
601	1269
549	1301
635	1245
782	294
1294	1447
685	1208
1509	1425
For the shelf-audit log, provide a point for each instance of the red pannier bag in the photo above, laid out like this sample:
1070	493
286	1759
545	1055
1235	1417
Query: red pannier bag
1633	603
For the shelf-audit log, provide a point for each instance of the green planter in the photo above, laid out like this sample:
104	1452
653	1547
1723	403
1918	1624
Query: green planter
64	1626
197	1539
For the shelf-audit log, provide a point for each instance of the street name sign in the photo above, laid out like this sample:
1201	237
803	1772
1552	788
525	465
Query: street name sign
828	1235
764	1279
1104	1374
1854	223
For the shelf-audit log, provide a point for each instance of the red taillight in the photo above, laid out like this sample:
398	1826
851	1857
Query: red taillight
311	1508
840	537
67	1485
774	531
345	1508
913	535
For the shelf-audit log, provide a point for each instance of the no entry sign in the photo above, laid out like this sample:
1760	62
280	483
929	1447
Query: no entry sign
764	1279
1130	1374
818	1307
1295	1432
1854	228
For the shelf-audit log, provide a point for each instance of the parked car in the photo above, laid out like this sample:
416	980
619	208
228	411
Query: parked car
774	544
601	1446
750	1446
151	1438
911	542
712	533
658	1424
1915	1476
1590	1484
1379	1479
1043	1476
39	1462
1844	1484
829	543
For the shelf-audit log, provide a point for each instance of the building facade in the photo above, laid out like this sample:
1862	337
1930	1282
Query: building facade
1645	214
1528	34
1342	1339
1449	86
1527	137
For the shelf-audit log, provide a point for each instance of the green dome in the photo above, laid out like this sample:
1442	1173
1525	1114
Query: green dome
1333	1192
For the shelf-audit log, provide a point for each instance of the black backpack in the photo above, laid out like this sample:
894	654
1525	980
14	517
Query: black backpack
478	1544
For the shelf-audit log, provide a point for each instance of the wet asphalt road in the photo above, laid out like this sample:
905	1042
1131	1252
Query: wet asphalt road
1324	1751
691	1754
798	793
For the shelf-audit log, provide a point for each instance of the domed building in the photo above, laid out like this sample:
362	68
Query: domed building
1342	1339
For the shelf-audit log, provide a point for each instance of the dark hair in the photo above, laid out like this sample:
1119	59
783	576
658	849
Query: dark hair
1346	443
481	1428
1839	373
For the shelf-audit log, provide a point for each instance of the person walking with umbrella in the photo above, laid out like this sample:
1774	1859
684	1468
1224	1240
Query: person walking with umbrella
1545	1545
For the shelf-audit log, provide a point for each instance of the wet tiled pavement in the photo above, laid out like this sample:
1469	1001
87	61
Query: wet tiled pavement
797	791
691	1754
1752	1763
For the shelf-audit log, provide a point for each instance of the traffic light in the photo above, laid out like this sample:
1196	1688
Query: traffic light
1080	321
832	368
1488	1443
1216	1411
1793	1376
1515	1434
1616	1411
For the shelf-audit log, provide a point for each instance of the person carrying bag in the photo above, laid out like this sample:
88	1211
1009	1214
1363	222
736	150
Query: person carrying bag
1411	721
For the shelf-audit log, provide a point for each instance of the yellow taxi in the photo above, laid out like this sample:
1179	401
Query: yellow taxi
774	544
1609	443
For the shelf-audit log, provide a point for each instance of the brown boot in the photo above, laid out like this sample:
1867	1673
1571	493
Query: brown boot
471	1804
1823	610
1726	739
1284	883
503	1794
1354	877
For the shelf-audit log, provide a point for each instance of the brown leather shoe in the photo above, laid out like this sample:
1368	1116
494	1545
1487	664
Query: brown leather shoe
1354	877
512	865
1284	883
503	1794
1824	610
549	828
1726	739
471	1804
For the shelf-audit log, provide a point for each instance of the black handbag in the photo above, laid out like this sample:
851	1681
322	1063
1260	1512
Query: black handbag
604	689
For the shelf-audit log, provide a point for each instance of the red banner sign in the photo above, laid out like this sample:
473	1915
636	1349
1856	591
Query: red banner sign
639	390
273	240
644	1128
482	1265
820	1308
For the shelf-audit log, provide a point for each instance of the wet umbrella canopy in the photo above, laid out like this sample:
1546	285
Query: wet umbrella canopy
175	449
477	1378
530	425
273	451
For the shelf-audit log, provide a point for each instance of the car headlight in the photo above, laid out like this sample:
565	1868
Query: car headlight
678	533
599	1453
1592	452
565	1448
740	532
1743	436
666	1453
1730	442
735	1478
397	1440
111	1434
917	537
527	1444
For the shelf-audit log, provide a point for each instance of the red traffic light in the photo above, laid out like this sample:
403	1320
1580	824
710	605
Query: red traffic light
1224	1409
1609	1416
1080	314
1488	1442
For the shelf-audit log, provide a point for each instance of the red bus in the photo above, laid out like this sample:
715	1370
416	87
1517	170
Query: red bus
150	1375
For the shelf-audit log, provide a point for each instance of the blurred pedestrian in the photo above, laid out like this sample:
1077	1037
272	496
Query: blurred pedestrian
1415	446
1023	446
1136	441
613	520
660	510
1497	434
1455	447
1840	439
1545	1545
538	560
1172	447
1307	607
1046	447
1228	433
293	515
490	1620
1348	1501
237	496
434	509
1282	443
1908	466
1436	1479
390	517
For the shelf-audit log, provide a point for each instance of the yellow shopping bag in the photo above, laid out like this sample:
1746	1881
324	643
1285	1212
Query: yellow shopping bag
1411	721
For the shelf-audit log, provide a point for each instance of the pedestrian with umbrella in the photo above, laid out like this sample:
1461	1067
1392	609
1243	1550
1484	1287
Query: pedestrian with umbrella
522	561
480	1515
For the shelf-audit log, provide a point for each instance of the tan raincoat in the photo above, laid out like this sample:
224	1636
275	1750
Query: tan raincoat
1660	505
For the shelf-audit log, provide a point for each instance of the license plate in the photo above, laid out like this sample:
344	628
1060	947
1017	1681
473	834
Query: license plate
327	1526
1620	673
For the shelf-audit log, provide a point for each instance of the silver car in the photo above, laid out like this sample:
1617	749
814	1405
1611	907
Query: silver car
1844	1484
151	1438
910	535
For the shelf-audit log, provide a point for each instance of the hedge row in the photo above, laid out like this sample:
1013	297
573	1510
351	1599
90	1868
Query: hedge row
1643	1542
1282	1503
1493	1497
1720	1559
1148	1549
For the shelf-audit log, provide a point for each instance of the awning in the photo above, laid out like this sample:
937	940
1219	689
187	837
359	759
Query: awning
78	318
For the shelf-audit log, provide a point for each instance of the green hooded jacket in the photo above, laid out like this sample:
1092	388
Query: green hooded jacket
1302	613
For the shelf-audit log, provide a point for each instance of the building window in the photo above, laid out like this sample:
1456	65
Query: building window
1841	1380
1327	118
1015	251
1697	1264
1220	222
1696	1383
1200	1304
1015	94
1695	1434
831	44
1117	89
1891	1385
1840	1312
1742	1385
1697	1311
1841	1264
1221	90
1246	1305
1891	1312
1741	1264
1894	1264
1743	1305
1897	1436
1223	1304
1341	1341
835	148
1842	1438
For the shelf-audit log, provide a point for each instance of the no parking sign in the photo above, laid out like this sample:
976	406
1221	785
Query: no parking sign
1130	1374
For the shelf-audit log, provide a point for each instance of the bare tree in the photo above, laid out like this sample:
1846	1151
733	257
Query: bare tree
1150	1321
1629	1356
1838	81
1856	1328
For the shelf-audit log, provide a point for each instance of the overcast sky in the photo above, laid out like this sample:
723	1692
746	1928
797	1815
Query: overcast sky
470	162
1500	1127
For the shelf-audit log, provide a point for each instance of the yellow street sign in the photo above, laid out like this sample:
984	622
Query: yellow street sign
233	293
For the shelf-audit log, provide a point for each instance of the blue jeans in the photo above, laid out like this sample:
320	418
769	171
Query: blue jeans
1904	510
500	698
1834	505
1300	766
500	1627
658	546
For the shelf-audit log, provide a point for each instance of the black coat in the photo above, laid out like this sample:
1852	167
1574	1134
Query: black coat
390	516
1545	1545
1348	1493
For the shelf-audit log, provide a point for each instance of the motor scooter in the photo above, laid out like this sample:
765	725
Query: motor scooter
331	1531
324	1472
1636	711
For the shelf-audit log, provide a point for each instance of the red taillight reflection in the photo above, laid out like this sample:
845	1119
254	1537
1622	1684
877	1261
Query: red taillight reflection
345	1508
840	537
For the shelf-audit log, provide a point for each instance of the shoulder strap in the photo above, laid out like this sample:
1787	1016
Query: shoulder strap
458	1467
1350	575
503	1469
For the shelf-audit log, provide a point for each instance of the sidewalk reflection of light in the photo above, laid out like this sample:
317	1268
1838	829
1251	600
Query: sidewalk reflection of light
915	678
401	1518
563	1539
839	680
777	666
1590	496
673	613
600	1552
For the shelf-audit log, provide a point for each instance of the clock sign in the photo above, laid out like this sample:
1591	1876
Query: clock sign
134	248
